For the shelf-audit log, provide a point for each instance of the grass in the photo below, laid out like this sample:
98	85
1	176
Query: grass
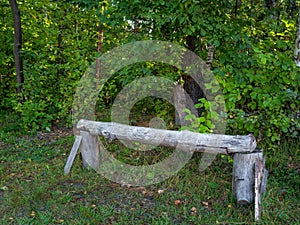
34	190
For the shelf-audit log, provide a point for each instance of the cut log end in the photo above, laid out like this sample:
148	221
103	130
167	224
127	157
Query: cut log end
243	201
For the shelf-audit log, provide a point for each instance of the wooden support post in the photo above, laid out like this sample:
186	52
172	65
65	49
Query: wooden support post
90	150
243	178
257	187
72	154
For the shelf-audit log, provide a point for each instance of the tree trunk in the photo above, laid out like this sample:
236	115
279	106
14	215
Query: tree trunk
17	45
192	91
60	55
99	50
190	85
100	38
210	56
292	8
236	7
181	101
271	5
60	49
297	43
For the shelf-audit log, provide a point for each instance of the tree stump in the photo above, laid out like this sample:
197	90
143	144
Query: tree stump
249	179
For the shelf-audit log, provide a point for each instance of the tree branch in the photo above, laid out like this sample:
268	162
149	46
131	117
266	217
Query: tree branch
297	43
17	44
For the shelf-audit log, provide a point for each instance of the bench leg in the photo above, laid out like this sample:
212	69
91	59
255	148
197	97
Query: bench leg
90	150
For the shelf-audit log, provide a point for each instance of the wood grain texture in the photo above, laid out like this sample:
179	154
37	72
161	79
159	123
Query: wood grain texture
243	177
89	150
184	140
257	188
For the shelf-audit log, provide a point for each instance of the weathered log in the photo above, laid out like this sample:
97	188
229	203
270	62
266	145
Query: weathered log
89	150
183	140
243	178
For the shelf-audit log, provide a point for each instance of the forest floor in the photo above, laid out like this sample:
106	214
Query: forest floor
34	189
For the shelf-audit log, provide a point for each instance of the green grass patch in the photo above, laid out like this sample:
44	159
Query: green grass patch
34	190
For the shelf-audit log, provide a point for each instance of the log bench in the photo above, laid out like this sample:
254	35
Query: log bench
249	174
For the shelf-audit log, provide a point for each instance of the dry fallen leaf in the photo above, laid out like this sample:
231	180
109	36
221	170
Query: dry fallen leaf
177	202
205	203
160	191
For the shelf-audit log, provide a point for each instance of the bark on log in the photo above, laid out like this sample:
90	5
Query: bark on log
184	140
243	178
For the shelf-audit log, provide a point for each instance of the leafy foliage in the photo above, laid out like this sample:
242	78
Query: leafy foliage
262	89
203	123
252	59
